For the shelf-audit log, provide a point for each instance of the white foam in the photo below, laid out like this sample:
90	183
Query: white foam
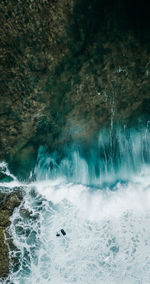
4	169
107	237
133	196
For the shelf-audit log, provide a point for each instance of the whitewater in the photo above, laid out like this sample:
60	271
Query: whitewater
101	198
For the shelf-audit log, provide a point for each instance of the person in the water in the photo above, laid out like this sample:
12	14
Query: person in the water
61	232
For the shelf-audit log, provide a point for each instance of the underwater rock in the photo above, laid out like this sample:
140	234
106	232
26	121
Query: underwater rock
25	213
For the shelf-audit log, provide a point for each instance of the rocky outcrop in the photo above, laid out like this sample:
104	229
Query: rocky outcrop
8	201
69	68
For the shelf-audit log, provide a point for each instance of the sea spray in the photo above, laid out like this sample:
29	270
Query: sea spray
101	198
115	156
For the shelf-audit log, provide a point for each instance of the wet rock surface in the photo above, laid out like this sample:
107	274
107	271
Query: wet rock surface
8	202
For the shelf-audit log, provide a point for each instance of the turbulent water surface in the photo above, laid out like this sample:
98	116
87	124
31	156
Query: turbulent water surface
101	198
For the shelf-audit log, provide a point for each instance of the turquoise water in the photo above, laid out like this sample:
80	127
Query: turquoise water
101	198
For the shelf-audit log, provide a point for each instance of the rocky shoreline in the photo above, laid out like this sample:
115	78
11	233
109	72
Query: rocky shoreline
69	69
8	202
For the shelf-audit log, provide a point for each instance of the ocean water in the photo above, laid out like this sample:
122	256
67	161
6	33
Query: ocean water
101	198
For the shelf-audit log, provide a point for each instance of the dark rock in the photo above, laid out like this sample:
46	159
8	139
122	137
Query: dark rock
63	232
8	201
4	257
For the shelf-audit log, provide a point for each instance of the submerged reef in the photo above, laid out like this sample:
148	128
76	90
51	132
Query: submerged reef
69	69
